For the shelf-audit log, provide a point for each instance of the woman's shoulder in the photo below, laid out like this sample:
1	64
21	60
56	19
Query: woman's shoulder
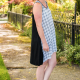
37	8
37	5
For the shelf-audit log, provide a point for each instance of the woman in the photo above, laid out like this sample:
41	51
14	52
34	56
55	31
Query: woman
46	31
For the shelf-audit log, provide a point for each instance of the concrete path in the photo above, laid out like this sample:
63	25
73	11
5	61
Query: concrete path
3	20
16	55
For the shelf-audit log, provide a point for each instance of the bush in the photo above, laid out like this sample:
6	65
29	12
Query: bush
23	9
77	57
55	6
59	39
66	6
78	5
27	10
21	6
64	12
69	5
28	31
71	54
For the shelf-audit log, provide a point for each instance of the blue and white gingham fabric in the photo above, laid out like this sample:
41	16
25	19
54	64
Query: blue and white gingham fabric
49	32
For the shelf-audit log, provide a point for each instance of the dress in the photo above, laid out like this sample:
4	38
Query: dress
49	32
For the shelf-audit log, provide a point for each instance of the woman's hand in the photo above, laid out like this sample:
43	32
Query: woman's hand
45	47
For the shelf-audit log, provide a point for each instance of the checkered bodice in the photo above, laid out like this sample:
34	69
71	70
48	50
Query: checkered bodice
47	21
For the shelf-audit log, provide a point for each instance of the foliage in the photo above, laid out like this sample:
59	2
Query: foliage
68	5
3	71
71	54
78	5
62	12
28	31
77	40
27	10
13	24
3	6
17	26
54	6
21	5
29	23
59	39
27	2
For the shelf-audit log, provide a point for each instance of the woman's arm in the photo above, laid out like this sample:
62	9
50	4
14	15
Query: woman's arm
37	11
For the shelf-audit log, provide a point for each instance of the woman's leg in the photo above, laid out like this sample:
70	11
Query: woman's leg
51	64
40	71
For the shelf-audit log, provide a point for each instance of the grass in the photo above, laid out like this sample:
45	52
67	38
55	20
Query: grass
3	71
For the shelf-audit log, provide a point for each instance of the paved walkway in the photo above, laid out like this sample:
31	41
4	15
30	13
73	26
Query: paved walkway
15	51
3	20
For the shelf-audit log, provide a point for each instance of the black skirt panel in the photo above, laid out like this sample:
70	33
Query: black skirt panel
36	55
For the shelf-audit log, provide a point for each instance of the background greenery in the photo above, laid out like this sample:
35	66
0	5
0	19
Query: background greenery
71	54
78	5
4	9
66	6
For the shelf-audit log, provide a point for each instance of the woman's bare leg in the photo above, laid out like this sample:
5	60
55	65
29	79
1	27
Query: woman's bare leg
40	71
51	64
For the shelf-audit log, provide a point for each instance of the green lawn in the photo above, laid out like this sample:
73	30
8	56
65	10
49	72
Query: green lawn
3	71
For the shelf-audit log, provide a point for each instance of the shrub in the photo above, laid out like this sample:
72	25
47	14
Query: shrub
77	41
62	12
27	10
69	5
66	6
71	54
59	39
25	5
78	5
54	6
77	57
28	31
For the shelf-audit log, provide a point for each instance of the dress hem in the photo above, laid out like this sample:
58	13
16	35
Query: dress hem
49	57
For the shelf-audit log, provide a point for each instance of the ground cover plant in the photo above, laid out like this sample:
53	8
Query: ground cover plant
3	71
